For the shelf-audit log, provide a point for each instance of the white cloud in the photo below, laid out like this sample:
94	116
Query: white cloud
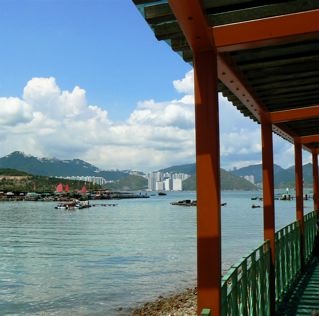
49	121
185	85
14	111
178	113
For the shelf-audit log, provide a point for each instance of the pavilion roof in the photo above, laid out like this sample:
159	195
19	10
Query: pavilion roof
268	55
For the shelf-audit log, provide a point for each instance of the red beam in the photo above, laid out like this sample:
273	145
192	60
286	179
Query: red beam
235	83
266	32
308	139
294	114
269	203
192	21
315	181
299	196
208	183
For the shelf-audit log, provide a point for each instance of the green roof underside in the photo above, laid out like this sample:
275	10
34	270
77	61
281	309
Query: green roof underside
281	77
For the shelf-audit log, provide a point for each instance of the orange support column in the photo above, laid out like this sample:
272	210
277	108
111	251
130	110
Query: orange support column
299	196
269	203
208	183
315	181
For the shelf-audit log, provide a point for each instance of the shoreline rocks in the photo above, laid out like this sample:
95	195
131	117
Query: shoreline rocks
180	304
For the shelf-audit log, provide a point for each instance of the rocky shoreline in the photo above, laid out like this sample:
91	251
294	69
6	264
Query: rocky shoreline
181	304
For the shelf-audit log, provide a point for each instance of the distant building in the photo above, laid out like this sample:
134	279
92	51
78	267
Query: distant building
153	177
167	184
158	181
250	178
93	179
159	186
177	185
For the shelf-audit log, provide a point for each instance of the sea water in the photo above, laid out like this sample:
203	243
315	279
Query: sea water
105	259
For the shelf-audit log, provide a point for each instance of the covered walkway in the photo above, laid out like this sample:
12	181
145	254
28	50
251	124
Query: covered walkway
263	56
303	297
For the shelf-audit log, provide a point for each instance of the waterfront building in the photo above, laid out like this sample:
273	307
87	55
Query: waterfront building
159	186
168	179
92	179
167	184
177	184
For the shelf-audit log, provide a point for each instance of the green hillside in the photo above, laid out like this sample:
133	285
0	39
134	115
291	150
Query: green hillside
228	182
15	180
187	168
282	177
13	172
131	182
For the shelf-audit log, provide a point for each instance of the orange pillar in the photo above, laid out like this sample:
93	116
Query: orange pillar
269	203
299	196
315	181
208	183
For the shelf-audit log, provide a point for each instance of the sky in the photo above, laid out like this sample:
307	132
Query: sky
87	79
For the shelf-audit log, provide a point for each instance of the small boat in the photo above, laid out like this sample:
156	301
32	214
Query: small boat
72	205
255	206
286	197
223	204
162	193
185	203
61	206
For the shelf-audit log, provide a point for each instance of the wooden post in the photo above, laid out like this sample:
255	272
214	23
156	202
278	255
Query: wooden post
208	183
315	181
269	204
299	197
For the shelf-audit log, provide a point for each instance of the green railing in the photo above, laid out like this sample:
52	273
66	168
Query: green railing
245	289
287	259
310	234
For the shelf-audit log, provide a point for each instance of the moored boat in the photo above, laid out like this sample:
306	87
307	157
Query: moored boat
185	203
72	205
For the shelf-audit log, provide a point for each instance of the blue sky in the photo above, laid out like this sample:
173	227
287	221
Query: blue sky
102	45
87	79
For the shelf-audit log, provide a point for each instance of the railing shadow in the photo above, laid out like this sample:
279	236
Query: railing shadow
292	299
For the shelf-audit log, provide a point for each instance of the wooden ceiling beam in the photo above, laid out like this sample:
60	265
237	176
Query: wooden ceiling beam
199	36
294	114
236	85
308	139
192	21
266	31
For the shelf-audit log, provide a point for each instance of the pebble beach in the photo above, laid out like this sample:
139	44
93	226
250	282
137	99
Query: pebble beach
181	304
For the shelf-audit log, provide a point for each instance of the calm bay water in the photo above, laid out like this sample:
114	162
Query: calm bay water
95	261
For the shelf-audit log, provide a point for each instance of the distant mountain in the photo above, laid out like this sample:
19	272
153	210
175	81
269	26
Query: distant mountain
254	170
228	180
55	167
131	182
282	177
187	168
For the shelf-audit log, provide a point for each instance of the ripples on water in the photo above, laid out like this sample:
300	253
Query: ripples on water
94	261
